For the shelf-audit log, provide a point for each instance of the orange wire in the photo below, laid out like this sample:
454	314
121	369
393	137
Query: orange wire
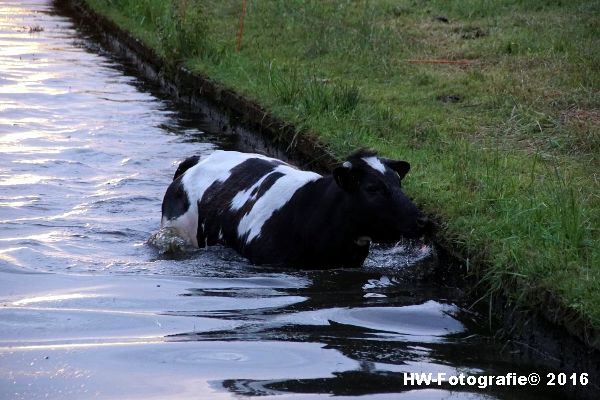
241	32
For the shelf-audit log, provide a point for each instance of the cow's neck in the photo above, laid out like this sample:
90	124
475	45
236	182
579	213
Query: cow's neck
329	214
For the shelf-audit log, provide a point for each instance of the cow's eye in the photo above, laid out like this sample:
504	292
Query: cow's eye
372	189
375	189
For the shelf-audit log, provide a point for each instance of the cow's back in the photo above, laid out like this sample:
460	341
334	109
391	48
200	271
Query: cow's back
227	198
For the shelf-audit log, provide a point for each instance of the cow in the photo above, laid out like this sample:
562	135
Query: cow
274	213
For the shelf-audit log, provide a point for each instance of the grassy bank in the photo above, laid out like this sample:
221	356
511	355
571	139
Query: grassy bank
495	104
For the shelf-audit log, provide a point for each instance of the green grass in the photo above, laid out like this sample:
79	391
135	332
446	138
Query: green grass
506	150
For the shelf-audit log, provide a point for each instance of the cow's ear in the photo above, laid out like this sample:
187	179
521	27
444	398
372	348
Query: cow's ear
345	177
401	167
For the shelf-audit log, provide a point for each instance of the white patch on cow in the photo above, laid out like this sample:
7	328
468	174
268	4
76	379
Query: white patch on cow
214	168
185	225
273	199
196	180
347	164
220	233
375	163
242	197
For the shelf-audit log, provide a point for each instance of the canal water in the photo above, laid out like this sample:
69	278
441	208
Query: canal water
89	310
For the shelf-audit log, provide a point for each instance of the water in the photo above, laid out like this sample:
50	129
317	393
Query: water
88	309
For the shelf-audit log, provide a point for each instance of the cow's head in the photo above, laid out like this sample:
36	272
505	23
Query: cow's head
378	207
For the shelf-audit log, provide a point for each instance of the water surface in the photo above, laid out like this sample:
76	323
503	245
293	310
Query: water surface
88	309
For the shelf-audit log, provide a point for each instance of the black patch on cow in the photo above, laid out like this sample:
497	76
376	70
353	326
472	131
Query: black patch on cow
311	231
176	202
185	165
201	233
256	195
245	174
215	206
261	190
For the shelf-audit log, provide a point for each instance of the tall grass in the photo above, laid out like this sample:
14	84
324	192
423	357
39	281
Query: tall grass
181	26
312	94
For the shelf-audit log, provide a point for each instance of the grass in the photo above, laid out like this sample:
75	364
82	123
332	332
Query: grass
505	148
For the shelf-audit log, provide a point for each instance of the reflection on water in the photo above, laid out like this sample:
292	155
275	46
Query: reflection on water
88	309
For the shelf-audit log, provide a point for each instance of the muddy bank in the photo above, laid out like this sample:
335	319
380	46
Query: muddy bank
533	337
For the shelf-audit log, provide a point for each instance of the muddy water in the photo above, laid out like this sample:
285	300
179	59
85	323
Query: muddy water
89	310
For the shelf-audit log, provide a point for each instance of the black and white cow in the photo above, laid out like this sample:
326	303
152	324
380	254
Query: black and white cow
273	213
